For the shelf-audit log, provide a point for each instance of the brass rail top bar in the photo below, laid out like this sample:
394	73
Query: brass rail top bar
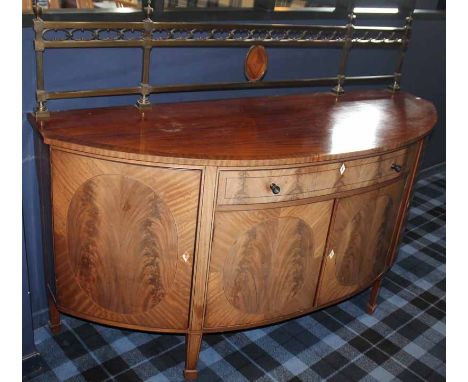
148	34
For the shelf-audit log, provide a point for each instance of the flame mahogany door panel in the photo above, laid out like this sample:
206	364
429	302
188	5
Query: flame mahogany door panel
124	239
360	238
265	263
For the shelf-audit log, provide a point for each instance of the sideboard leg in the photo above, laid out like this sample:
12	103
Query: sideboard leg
192	346
372	304
54	317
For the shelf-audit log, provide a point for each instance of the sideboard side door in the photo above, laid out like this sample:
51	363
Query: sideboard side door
124	238
359	241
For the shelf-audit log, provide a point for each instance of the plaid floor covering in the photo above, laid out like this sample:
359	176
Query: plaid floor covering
404	339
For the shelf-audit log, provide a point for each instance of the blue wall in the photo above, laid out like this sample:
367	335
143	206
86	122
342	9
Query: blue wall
28	343
424	75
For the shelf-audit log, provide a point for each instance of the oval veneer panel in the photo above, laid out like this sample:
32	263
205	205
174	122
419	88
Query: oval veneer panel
256	63
265	264
361	238
351	265
122	243
268	263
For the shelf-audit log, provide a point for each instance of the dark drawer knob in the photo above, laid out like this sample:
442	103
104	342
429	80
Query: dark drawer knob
275	188
396	167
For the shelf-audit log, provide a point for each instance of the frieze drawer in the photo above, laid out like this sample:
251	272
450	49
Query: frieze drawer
275	185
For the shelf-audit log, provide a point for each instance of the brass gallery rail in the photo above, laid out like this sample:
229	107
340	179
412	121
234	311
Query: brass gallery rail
148	34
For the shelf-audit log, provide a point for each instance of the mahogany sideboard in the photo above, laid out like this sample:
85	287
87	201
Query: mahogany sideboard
212	216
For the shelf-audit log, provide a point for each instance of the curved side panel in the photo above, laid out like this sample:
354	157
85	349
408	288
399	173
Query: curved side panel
360	238
124	237
355	238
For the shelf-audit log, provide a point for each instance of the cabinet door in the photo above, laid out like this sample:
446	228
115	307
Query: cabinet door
123	237
360	240
265	263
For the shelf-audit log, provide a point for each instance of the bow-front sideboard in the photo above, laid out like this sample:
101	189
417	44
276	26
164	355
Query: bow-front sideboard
212	216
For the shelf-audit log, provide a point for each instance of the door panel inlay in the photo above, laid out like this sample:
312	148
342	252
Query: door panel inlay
360	238
268	262
265	264
122	242
355	238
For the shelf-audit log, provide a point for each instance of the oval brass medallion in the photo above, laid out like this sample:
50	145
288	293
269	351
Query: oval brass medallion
256	63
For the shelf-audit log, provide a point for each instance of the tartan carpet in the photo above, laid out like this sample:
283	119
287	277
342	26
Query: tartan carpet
403	340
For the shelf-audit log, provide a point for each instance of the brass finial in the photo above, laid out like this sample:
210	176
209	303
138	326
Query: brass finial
409	20
395	86
37	9
148	10
41	111
338	89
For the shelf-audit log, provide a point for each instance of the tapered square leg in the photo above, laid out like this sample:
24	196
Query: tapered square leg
54	317
372	304
192	346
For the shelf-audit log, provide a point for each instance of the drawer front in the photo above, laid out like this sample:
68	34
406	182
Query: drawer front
275	185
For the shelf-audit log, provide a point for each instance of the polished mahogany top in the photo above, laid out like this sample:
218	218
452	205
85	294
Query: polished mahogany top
318	126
